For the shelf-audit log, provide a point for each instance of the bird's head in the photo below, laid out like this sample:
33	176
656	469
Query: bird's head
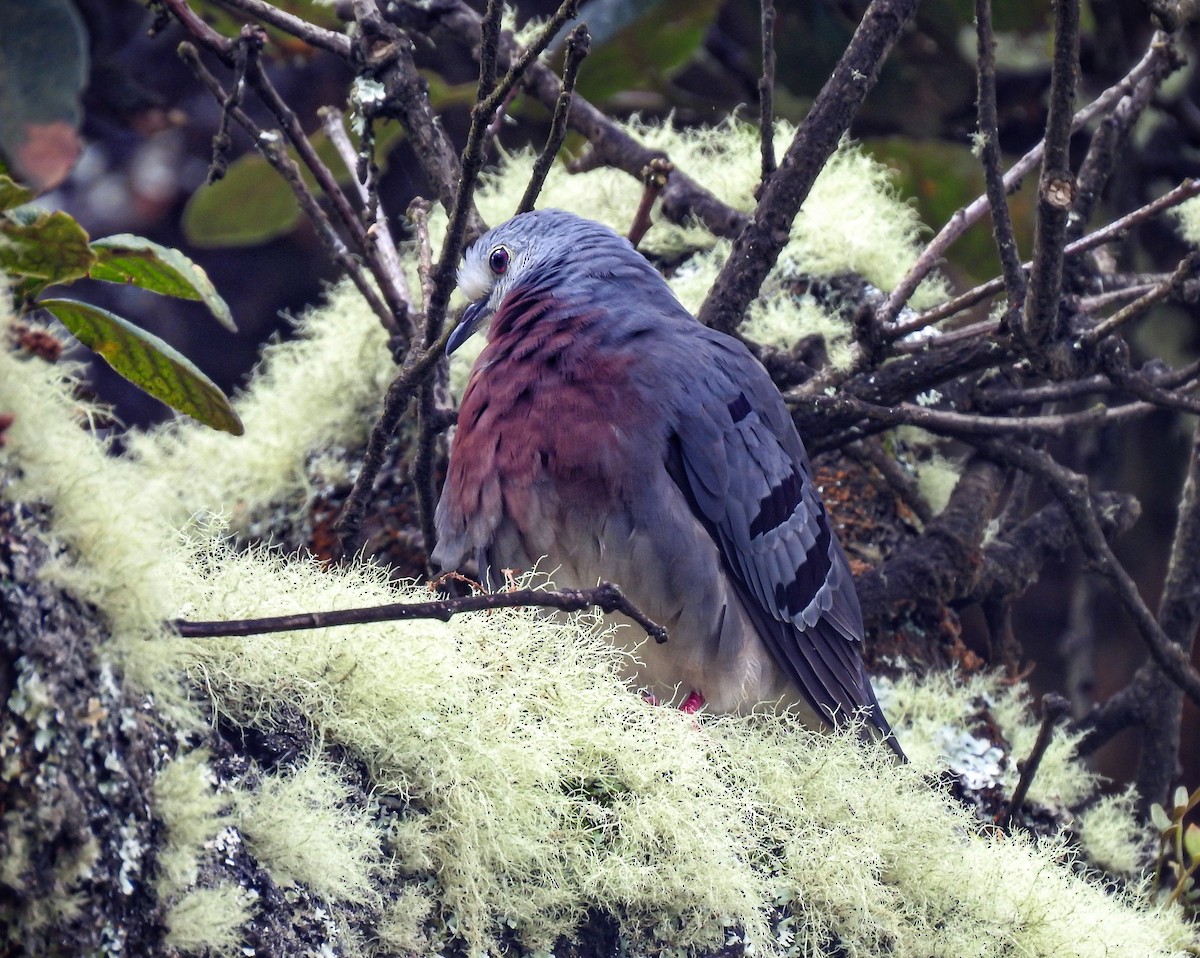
546	249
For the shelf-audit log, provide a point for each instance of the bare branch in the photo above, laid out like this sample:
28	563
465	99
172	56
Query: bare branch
1160	47
989	145
1040	322
578	44
378	233
1106	234
319	37
268	144
1185	270
606	597
766	93
757	247
1071	490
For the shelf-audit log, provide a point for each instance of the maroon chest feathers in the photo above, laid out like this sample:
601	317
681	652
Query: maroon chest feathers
549	402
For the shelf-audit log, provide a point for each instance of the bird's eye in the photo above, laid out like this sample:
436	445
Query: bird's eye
498	260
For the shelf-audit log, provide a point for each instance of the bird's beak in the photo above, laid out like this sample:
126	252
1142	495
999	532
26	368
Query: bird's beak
468	322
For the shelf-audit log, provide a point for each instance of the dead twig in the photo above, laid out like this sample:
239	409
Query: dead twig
578	44
1054	709
606	597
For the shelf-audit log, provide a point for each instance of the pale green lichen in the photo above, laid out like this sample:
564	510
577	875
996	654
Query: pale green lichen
1111	836
209	920
186	801
316	391
402	928
939	712
303	827
1187	220
936	474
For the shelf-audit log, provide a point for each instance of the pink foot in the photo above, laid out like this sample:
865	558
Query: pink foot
692	704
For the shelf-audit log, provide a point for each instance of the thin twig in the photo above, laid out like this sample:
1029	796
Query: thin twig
428	430
310	33
965	217
655	178
1179	616
378	232
1054	709
1041	323
268	144
989	146
1185	270
758	245
416	366
578	44
489	44
1106	234
972	424
766	94
607	597
1071	490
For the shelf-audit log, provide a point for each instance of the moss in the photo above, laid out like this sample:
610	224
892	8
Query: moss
209	920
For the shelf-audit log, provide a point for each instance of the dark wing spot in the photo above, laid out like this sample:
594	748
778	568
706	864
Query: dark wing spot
792	597
740	408
777	506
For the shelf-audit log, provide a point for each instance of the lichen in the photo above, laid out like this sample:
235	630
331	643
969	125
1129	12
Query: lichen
1111	835
187	802
304	829
209	920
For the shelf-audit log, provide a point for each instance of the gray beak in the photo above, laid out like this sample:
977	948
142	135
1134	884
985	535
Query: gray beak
470	319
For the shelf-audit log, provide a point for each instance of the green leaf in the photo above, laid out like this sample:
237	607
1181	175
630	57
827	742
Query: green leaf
43	69
147	362
1159	818
125	258
253	204
46	247
12	193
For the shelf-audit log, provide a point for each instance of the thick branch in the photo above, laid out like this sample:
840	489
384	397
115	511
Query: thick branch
1041	323
757	247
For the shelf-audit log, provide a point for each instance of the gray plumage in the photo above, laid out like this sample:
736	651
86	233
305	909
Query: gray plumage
605	434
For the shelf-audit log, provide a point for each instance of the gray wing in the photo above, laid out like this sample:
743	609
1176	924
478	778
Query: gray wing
743	468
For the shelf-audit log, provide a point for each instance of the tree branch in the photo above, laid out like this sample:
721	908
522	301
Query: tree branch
757	247
607	597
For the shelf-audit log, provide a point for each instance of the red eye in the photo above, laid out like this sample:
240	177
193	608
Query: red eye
498	261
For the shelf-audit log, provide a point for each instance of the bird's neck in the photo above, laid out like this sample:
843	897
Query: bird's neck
534	315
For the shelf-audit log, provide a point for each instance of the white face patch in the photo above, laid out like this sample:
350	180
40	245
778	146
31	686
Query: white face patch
474	278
